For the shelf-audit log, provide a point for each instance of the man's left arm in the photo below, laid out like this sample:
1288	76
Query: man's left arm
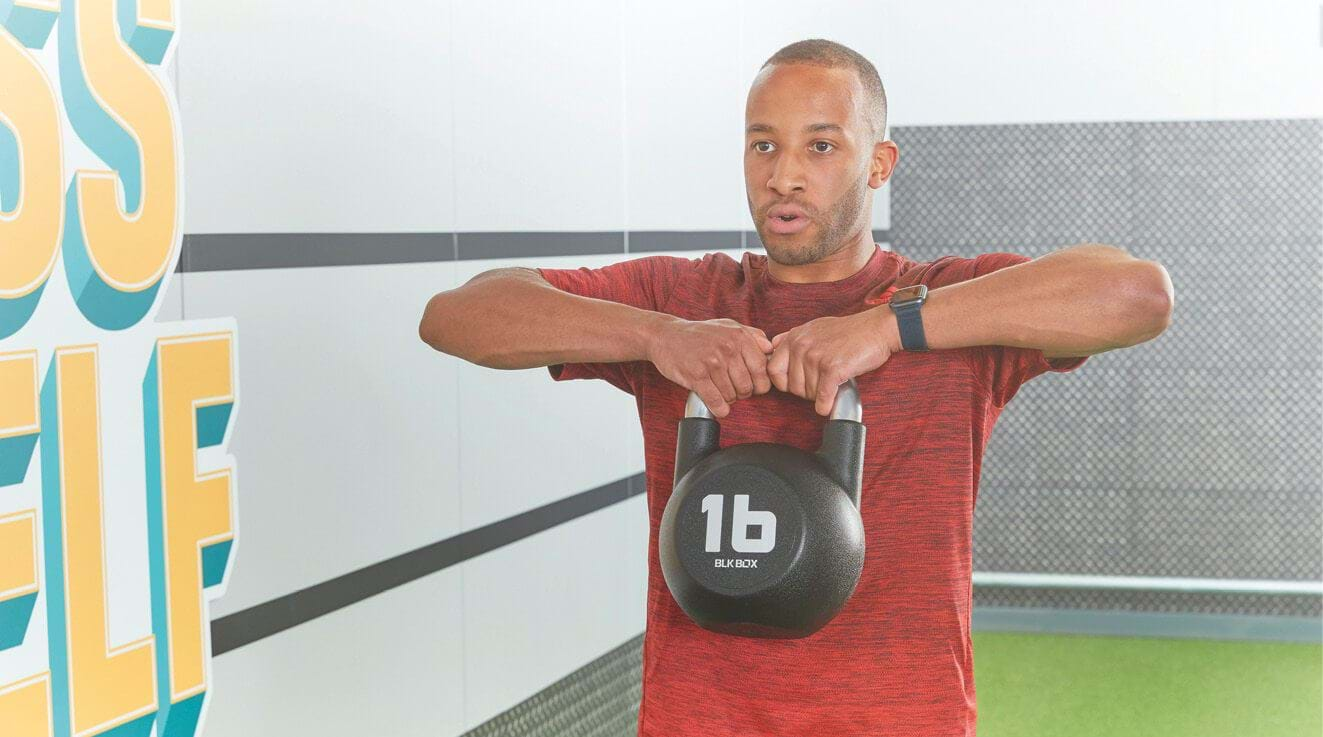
1077	301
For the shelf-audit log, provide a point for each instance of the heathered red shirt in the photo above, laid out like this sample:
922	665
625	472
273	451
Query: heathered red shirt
897	660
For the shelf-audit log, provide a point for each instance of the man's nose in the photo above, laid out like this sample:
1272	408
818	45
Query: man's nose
787	175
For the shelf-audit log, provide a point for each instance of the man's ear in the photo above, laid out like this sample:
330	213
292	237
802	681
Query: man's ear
883	163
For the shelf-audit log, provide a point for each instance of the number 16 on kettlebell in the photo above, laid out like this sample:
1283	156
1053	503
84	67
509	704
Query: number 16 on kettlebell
763	539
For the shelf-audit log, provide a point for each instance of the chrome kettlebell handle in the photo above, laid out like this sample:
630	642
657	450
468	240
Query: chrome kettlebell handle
846	406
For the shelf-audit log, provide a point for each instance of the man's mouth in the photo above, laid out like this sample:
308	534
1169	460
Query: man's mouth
786	224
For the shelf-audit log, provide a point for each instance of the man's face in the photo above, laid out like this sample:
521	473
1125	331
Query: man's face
809	152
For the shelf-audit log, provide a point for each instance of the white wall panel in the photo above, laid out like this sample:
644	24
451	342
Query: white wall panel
1269	60
171	65
634	562
769	25
347	438
538	609
684	117
326	117
527	440
388	665
971	63
172	303
538	115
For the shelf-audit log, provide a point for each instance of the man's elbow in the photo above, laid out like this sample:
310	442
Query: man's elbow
1153	293
429	327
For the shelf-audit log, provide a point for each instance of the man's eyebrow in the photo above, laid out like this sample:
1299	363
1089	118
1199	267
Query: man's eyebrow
814	128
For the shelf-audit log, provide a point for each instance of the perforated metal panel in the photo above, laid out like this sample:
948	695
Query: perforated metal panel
600	699
1199	453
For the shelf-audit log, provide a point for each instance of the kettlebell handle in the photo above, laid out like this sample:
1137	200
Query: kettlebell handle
846	406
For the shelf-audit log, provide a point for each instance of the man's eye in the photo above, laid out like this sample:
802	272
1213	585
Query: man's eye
823	143
761	143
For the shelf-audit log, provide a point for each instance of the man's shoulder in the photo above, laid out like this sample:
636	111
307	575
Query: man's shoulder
710	266
951	269
712	260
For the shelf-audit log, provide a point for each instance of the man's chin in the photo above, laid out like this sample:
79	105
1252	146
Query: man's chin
789	253
768	236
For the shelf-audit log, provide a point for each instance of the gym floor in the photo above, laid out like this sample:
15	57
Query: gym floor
1032	685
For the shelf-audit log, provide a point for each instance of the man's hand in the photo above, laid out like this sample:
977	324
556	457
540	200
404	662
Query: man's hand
814	359
720	359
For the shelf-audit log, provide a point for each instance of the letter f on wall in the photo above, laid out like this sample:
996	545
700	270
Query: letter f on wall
188	398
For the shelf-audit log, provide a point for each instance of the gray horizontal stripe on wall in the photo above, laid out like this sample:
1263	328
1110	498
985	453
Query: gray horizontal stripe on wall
684	240
243	251
223	252
521	245
264	620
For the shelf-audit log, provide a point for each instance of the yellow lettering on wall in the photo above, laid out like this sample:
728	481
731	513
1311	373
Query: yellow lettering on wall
131	128
130	251
20	415
25	707
195	375
31	183
18	557
156	13
20	422
107	686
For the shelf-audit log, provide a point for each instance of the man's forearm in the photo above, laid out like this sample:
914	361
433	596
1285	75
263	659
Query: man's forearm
1077	301
513	319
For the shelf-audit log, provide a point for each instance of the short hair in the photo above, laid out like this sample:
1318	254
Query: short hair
824	53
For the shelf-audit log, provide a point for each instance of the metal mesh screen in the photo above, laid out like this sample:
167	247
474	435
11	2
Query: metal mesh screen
600	699
1197	454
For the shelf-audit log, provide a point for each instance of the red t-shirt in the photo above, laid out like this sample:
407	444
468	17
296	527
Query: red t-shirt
897	659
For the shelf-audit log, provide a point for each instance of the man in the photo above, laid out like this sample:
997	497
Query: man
933	377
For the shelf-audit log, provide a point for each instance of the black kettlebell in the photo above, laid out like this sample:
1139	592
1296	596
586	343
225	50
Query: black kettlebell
762	539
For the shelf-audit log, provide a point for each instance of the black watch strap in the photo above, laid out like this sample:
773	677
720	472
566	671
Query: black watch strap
910	323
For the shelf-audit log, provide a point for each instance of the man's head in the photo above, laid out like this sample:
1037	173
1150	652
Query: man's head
815	147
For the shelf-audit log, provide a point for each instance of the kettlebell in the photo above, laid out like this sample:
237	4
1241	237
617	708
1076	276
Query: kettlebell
765	540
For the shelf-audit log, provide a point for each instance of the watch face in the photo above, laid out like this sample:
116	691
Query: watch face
908	294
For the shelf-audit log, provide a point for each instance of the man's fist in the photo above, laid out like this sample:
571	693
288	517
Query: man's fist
812	360
721	360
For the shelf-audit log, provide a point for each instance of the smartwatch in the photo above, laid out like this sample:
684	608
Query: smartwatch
905	303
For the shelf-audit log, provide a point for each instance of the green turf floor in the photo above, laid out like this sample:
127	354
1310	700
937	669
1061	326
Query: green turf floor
1033	685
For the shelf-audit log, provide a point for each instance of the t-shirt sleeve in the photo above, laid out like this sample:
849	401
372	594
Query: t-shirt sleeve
645	283
1001	370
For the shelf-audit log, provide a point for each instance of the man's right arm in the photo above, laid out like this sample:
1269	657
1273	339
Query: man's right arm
512	318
